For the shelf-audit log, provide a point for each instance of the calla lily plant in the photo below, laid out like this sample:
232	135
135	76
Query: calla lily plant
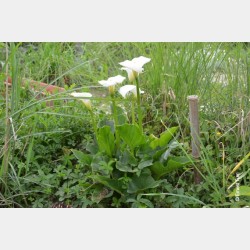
125	159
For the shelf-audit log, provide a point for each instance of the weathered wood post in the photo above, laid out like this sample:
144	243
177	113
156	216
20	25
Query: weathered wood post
195	132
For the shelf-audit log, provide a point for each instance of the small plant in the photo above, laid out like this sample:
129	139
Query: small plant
123	158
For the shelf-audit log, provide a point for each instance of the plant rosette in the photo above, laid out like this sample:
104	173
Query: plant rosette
141	164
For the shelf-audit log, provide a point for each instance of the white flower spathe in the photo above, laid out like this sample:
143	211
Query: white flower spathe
135	66
83	97
112	81
128	89
131	74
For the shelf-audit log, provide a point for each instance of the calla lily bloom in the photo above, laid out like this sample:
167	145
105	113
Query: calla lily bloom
129	89
83	94
111	82
135	66
83	97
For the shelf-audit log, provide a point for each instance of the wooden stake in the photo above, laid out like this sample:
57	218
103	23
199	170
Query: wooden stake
195	132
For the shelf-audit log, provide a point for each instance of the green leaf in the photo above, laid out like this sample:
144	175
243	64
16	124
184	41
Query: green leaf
145	163
241	191
127	162
125	168
145	151
158	154
82	157
164	139
143	182
128	158
174	163
158	169
106	122
131	135
177	162
112	184
106	140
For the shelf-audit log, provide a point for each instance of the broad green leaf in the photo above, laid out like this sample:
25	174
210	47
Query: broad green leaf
131	135
106	122
128	158
174	163
164	139
106	140
125	168
143	182
158	169
112	184
242	191
145	163
144	151
82	157
127	162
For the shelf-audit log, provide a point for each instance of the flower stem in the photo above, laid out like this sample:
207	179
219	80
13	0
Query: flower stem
133	111
94	124
115	121
139	103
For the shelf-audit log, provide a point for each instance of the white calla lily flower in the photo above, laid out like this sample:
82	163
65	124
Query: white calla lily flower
141	60
135	66
117	79
83	97
129	89
111	82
